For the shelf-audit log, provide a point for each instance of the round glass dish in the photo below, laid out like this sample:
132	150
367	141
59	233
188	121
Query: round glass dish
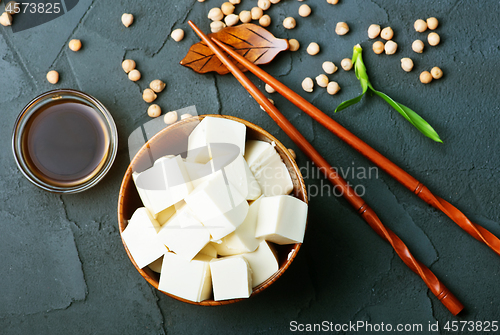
64	141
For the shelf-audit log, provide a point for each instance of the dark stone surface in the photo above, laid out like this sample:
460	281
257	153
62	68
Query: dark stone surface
63	268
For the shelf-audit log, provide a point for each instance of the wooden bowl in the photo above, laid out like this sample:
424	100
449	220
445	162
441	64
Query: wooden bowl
173	139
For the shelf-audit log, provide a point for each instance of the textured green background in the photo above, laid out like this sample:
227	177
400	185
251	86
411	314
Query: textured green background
63	269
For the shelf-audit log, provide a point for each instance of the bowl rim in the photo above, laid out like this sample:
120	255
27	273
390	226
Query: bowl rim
128	178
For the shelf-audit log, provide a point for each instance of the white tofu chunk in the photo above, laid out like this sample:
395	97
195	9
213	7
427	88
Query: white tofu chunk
231	278
198	172
218	205
190	280
263	262
254	149
184	234
282	219
165	214
140	237
164	184
243	238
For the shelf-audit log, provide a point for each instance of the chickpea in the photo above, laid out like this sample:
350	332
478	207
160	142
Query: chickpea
418	46
333	88
231	20
154	110
264	4
149	95
274	2
177	35
245	16
406	64
265	20
75	45
390	47
433	39
217	26
308	85
313	48
373	31
186	116
128	65
134	75
270	89
201	0
127	19
294	44
235	2
227	8
157	85
432	23
53	77
289	23
256	13
332	2
346	64
322	80
270	100
6	19
329	67
425	77
215	14
387	33
420	25
378	47
170	117
342	28
292	153
436	72
10	7
304	10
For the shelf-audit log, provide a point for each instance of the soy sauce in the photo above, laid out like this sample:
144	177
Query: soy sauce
65	142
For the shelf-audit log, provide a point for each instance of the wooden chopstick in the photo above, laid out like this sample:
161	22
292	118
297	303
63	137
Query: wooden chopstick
473	229
437	288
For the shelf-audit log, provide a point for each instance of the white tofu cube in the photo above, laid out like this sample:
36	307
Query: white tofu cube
190	280
282	219
218	205
184	234
140	237
263	262
164	184
231	278
255	149
198	172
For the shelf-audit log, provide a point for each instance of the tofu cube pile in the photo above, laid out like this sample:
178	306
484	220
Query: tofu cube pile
210	220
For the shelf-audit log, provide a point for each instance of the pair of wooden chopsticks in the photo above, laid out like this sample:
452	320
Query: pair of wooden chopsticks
436	287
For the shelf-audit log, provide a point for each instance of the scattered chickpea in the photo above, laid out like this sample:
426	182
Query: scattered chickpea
313	48
332	2
231	19
227	8
154	110
373	31
342	28
265	20
170	117
128	65
274	2
6	19
333	88
270	100
308	85
289	23
292	153
75	45
346	64
177	35
432	23
329	67
127	19
215	14
245	16
433	39
264	4
270	89
390	47
12	8
53	77
387	33
186	116
418	46
217	26
134	75
235	2
406	64
157	85
294	44
304	10
425	77
256	13
420	26
436	72
201	0
378	47
149	95
322	80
